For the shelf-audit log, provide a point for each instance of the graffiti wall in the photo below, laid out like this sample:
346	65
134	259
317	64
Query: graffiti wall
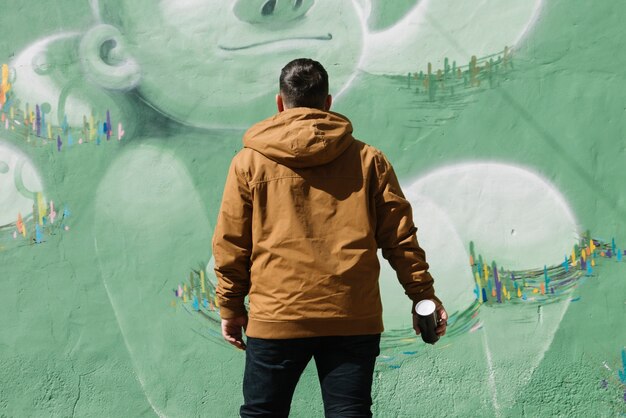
505	122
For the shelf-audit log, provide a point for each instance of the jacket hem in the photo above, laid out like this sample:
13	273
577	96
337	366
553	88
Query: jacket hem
314	327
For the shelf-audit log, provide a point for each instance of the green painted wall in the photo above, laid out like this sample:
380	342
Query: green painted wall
505	121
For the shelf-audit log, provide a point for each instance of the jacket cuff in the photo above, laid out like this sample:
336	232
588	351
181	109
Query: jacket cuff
229	312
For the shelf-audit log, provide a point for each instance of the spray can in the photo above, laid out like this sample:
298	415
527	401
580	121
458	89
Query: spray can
426	311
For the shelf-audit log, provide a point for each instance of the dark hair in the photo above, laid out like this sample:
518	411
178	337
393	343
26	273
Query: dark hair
304	83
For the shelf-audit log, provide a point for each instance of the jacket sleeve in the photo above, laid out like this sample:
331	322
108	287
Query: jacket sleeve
395	235
232	245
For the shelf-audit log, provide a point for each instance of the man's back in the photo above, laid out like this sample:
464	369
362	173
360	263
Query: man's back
317	204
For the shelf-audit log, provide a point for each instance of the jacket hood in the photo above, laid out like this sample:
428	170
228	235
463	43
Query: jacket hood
301	137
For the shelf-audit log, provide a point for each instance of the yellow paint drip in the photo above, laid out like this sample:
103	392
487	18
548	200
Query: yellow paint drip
92	129
42	209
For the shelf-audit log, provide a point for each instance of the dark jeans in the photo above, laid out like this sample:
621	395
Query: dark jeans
345	367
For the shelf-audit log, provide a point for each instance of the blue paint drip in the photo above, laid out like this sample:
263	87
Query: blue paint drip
205	303
545	276
64	125
409	353
589	269
59	143
484	295
394	367
622	373
38	234
566	264
196	305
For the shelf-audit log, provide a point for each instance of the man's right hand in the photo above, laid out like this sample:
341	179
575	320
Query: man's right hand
231	330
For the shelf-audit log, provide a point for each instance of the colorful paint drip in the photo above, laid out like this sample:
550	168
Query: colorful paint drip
495	285
32	124
43	223
451	80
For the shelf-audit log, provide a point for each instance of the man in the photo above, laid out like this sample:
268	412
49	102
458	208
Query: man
305	208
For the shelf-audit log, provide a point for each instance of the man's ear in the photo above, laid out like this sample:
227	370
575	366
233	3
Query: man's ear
105	59
328	102
279	103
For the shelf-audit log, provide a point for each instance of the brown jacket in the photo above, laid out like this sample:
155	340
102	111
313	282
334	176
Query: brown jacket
305	208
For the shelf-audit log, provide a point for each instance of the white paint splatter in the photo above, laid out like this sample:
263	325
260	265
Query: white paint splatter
492	376
119	324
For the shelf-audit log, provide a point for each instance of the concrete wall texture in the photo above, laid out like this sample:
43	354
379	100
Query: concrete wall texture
504	119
